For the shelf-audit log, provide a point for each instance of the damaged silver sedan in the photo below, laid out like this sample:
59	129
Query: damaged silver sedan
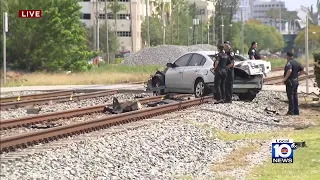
191	73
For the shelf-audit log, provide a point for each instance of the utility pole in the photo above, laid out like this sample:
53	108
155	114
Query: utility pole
201	12
163	25
97	25
280	28
106	24
213	29
188	28
131	29
148	24
5	29
208	32
242	35
307	51
222	30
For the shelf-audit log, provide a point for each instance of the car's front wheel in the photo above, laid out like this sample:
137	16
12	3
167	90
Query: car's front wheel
248	96
199	88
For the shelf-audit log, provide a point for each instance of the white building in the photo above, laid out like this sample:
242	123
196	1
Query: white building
206	7
245	9
260	8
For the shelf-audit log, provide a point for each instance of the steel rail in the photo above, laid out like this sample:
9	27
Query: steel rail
25	139
281	68
56	99
35	96
275	78
28	120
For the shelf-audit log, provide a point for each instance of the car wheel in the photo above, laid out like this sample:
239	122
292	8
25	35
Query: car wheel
199	88
157	83
248	96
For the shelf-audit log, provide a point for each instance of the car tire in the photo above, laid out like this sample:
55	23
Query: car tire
248	96
157	83
200	88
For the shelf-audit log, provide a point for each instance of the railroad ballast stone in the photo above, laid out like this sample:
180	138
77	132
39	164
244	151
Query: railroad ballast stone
186	146
55	107
21	93
160	55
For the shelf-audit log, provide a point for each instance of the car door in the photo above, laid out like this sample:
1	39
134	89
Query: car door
173	77
191	71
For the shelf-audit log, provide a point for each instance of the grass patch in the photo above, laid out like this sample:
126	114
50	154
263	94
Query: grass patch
236	159
105	74
282	62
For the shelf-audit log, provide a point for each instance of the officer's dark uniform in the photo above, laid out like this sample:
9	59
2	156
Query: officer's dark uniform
230	78
253	52
292	84
220	76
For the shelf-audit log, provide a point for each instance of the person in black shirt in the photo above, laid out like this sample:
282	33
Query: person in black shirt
220	69
292	70
230	72
253	54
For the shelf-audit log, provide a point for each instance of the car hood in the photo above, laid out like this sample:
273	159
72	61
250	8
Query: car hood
254	67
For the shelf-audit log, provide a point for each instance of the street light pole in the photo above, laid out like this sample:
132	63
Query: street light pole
107	27
97	25
307	51
148	24
5	29
213	29
242	35
208	26
222	30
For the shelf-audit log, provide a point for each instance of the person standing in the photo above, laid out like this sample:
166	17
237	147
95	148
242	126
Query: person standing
253	54
292	70
230	72
220	69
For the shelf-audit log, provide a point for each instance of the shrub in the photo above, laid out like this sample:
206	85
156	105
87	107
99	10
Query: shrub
316	56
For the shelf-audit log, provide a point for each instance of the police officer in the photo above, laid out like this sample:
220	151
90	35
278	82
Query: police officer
292	70
230	72
220	69
253	54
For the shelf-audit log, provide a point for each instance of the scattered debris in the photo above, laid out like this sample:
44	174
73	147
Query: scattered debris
300	144
44	126
33	109
127	106
166	101
269	111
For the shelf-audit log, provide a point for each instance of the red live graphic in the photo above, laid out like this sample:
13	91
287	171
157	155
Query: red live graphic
30	13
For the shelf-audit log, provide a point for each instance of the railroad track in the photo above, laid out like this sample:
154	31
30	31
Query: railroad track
281	68
70	97
29	120
278	79
42	136
36	96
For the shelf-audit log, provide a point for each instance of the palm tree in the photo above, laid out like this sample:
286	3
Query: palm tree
116	7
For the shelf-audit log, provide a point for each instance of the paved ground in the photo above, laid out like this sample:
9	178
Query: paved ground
302	87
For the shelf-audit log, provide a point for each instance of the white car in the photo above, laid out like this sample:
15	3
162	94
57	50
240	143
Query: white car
190	73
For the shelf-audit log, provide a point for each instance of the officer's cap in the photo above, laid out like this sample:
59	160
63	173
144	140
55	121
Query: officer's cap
227	42
290	54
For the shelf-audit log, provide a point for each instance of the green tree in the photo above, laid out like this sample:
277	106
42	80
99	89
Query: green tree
113	41
314	37
155	31
115	8
54	42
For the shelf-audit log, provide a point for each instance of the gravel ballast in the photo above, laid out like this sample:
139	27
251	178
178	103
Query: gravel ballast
184	146
160	55
21	93
20	112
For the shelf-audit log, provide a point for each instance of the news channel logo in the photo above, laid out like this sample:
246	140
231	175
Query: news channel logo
282	150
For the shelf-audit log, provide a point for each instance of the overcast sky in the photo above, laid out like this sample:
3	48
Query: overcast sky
295	4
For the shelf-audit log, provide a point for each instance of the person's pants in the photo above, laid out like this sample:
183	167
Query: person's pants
229	84
292	94
219	84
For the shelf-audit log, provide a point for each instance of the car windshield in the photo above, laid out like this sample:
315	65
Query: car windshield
237	57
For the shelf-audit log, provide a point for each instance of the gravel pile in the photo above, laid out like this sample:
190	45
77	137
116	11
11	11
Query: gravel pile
20	112
21	93
181	147
160	55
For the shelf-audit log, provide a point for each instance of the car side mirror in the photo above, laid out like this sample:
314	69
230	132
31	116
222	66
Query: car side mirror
170	65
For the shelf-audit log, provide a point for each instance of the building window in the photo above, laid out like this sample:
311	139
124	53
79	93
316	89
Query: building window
86	0
86	16
102	16
110	16
123	0
124	33
123	16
